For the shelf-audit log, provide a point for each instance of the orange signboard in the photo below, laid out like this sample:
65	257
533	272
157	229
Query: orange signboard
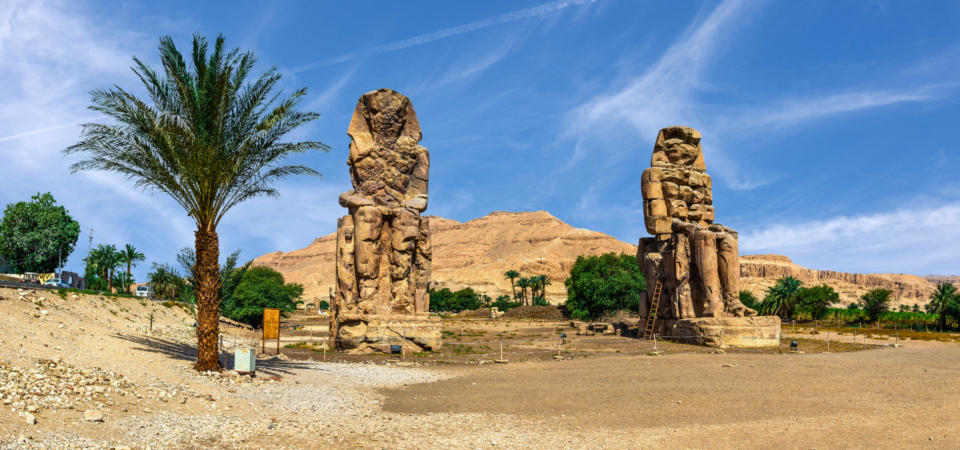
271	323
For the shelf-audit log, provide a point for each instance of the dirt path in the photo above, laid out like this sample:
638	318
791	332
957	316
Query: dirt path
874	399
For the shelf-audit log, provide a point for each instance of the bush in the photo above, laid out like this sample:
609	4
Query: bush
876	302
323	305
602	284
260	288
817	300
749	300
447	300
504	304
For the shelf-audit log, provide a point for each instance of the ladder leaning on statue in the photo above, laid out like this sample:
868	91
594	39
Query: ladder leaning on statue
652	315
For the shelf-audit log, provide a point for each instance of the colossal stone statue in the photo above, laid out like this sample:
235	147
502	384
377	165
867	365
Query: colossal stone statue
383	246
696	260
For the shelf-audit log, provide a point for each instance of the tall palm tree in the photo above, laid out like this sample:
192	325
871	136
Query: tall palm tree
544	281
106	259
512	275
534	288
130	256
524	283
208	138
940	299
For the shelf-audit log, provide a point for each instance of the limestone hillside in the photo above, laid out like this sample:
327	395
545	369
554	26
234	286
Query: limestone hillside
478	252
758	272
474	254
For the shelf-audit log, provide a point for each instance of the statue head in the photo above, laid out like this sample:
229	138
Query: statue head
385	114
678	146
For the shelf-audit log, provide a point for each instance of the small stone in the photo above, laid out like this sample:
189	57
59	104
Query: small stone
32	419
93	416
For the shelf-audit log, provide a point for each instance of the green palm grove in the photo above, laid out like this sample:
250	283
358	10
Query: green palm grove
206	136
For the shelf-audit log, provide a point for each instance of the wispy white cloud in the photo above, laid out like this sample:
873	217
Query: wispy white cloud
668	92
918	240
437	35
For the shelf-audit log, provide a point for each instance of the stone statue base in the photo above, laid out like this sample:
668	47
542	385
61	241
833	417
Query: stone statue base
737	332
369	333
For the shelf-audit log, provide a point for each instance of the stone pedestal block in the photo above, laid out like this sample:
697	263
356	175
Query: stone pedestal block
368	333
737	332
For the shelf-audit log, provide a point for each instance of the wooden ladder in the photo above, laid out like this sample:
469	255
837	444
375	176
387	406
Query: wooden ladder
652	315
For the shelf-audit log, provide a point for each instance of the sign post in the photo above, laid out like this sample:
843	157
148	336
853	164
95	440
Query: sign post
271	326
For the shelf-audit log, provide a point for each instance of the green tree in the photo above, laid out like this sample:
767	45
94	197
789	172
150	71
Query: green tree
875	302
165	281
208	138
543	281
916	308
523	283
123	280
130	256
512	275
603	283
780	299
447	300
504	304
259	288
749	300
36	236
817	300
323	305
940	300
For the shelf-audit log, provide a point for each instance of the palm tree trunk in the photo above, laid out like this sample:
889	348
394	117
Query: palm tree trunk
127	289
207	273
110	281
514	286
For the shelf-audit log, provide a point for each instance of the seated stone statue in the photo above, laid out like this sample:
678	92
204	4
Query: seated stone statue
696	261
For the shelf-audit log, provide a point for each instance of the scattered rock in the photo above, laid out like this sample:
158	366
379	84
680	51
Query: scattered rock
30	418
93	416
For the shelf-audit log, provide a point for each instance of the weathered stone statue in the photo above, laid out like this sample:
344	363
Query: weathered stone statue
696	260
383	245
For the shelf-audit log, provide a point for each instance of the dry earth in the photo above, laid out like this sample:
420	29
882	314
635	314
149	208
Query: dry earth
91	359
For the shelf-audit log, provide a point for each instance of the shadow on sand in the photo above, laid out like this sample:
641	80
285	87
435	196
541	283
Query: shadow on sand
188	353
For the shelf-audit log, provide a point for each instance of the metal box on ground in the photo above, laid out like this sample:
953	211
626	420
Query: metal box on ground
245	360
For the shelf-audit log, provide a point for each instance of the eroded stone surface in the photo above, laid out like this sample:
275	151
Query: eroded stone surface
695	260
383	246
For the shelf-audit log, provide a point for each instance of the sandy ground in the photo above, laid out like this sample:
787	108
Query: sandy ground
879	398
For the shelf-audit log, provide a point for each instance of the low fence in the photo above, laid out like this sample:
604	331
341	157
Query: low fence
481	350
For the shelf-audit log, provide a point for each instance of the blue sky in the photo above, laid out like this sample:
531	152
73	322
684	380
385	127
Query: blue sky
829	127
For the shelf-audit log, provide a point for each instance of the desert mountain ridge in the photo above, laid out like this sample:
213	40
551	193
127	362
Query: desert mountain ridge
476	253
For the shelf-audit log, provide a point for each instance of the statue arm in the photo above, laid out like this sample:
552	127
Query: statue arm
419	180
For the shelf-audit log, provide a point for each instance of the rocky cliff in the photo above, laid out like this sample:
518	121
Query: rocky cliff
474	253
758	272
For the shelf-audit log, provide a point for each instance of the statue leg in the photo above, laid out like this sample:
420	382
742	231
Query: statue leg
705	252
670	278
682	271
423	265
728	259
652	271
405	228
346	299
368	222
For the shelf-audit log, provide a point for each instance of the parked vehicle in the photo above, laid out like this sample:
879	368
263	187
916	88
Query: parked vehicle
143	291
57	282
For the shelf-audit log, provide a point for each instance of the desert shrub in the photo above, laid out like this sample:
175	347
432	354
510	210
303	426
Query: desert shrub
603	283
323	305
